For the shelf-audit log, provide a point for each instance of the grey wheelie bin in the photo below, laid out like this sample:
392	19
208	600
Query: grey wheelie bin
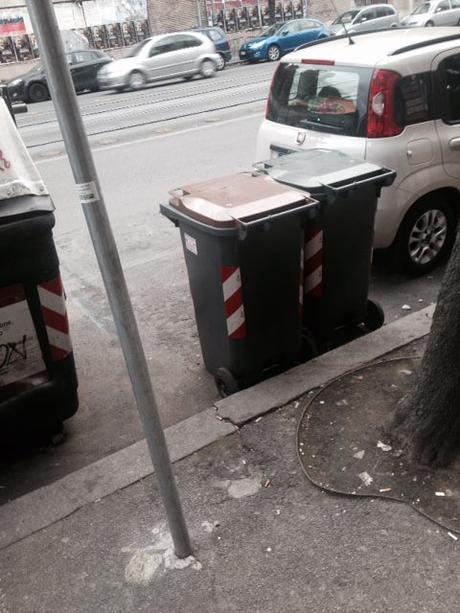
338	251
242	239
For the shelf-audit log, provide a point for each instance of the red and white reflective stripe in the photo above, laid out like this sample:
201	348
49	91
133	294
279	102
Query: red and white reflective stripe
314	263
233	298
52	301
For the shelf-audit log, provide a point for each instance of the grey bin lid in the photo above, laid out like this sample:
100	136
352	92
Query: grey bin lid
25	205
314	169
238	199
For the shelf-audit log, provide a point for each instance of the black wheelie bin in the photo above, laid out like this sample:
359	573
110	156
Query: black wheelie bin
38	382
242	239
338	251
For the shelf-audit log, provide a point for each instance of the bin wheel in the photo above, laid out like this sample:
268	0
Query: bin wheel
226	383
309	347
375	317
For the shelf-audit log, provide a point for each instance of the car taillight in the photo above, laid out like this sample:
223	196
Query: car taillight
381	118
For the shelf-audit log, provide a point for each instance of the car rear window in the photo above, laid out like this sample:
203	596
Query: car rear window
330	99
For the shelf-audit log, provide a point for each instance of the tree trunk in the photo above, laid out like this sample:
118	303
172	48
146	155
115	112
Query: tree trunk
426	423
272	11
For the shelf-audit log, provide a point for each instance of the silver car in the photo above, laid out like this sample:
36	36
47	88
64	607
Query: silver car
436	13
168	56
375	17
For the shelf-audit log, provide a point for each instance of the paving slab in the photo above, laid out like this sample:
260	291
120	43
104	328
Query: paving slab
49	504
265	540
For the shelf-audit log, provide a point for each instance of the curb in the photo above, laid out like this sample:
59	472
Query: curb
48	505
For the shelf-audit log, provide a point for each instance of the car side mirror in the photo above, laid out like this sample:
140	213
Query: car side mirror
285	33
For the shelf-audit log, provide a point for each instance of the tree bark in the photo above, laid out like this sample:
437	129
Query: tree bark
426	423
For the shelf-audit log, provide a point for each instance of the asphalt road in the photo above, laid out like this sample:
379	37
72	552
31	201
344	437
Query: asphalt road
145	144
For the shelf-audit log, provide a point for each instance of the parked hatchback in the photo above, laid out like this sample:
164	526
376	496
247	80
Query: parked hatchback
282	38
168	56
436	13
84	67
392	98
220	40
375	17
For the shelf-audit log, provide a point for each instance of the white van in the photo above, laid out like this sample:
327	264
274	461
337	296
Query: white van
392	98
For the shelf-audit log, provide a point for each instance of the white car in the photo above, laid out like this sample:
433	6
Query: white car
167	56
435	13
392	98
374	17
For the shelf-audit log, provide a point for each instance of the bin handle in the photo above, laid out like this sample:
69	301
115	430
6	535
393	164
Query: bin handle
383	180
244	227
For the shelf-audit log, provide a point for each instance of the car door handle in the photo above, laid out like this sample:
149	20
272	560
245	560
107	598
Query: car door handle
454	144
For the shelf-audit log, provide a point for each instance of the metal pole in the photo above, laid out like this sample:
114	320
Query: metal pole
84	171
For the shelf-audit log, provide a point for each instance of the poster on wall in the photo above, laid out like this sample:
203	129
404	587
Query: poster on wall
215	13
298	9
23	47
12	26
288	11
7	50
253	12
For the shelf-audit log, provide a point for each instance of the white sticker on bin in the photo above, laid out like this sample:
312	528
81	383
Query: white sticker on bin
88	192
190	244
20	353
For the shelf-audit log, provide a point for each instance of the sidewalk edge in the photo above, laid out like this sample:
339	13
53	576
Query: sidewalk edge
45	506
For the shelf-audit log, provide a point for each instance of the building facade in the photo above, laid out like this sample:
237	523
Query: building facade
110	24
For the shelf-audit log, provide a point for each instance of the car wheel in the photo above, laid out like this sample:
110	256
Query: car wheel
273	53
458	22
429	24
426	236
136	80
208	69
37	92
221	62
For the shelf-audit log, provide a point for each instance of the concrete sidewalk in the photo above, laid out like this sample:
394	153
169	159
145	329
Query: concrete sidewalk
265	539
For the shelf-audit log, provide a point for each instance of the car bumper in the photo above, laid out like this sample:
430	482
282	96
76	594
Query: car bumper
111	82
252	54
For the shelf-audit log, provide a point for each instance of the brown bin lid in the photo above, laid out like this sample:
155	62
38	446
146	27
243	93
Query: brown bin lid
242	197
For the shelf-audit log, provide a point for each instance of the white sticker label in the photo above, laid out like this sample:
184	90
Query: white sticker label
190	244
20	354
87	192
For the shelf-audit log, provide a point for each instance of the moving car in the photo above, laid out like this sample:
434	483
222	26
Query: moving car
375	17
392	98
84	67
168	56
282	38
220	40
436	13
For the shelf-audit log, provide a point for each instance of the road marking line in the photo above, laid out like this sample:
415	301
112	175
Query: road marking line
156	137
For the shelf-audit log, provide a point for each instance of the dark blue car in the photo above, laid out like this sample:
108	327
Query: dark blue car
280	39
220	40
